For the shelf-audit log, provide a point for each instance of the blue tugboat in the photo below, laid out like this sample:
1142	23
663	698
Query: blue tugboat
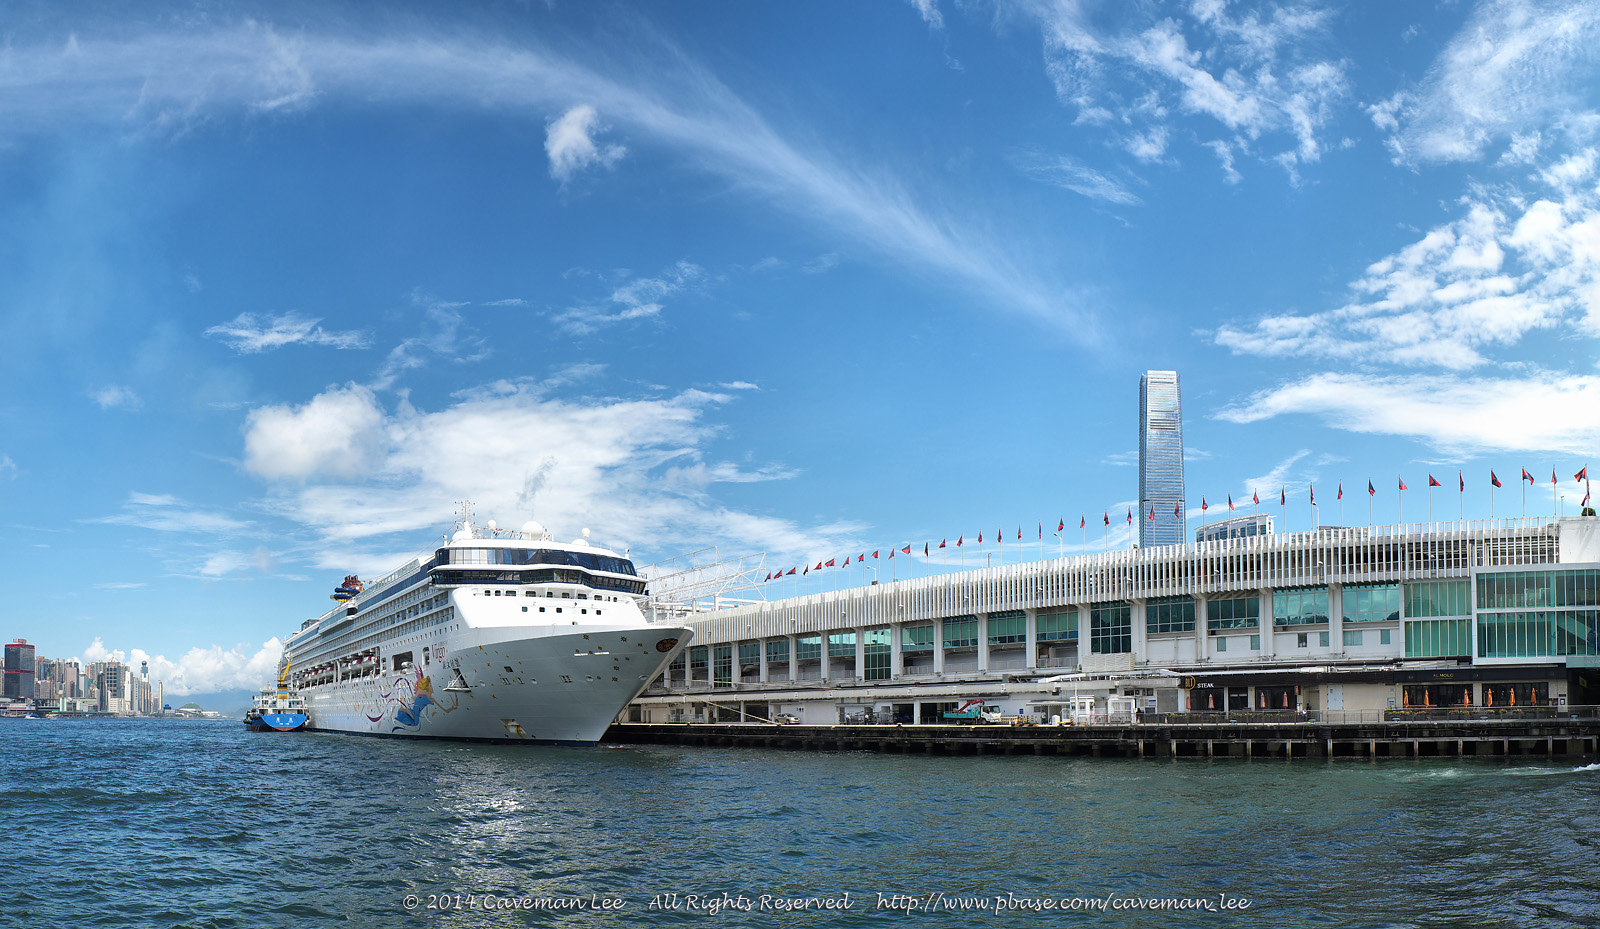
282	710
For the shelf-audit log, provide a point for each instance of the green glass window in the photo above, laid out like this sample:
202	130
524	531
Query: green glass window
697	662
1352	636
678	664
1429	599
1375	603
876	654
749	653
1008	627
1512	590
777	651
808	647
1059	626
1169	614
1111	628
916	638
1300	607
1233	613
961	632
722	665
1438	638
842	645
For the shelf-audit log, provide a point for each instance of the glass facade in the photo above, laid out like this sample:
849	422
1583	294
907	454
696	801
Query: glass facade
722	665
1160	459
808	647
1234	613
1010	627
1110	628
1169	614
916	638
876	654
1377	603
749	654
842	645
961	632
1433	599
1438	638
1300	607
697	663
1061	626
777	652
1538	614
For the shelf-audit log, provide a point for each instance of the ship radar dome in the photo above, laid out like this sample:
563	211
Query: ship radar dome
532	529
586	533
493	526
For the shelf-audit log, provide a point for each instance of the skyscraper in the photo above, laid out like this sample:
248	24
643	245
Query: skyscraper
19	670
1161	502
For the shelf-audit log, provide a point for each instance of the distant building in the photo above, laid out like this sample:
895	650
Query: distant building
20	668
1161	508
1238	527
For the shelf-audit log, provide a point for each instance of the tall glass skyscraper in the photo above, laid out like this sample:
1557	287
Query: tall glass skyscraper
1160	460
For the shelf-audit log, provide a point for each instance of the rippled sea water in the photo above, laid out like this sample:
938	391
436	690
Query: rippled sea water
166	823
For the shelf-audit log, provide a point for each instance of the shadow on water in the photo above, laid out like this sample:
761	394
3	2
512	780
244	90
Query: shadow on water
202	824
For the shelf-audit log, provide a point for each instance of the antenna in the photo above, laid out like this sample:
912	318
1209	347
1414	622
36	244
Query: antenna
466	509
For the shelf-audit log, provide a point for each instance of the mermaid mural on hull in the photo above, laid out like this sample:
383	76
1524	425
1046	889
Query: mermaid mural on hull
411	702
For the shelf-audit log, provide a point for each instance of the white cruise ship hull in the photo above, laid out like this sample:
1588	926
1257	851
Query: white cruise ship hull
554	684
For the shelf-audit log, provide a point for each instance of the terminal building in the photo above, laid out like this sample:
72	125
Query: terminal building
1336	620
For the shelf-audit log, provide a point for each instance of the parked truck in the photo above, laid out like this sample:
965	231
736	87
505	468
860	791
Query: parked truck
974	711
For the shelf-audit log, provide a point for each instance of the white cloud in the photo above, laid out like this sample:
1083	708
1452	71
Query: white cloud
338	433
509	301
1255	76
1071	174
636	471
739	385
8	468
929	10
200	670
115	396
176	79
444	335
1545	411
167	513
1504	268
569	141
250	334
1515	66
638	299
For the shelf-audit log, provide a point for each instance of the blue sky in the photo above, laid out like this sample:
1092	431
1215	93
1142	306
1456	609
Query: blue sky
279	283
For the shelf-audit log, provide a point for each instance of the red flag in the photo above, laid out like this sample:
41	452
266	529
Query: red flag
1370	490
1494	480
1585	492
1527	477
1432	482
1255	497
1230	503
907	550
1340	494
925	548
1283	495
1152	514
1461	479
959	540
1402	482
1313	494
1019	532
941	543
1581	475
1082	520
863	557
818	567
791	571
1177	510
1130	515
1552	477
1204	505
767	578
980	538
831	564
805	572
875	553
1061	524
1041	532
1107	515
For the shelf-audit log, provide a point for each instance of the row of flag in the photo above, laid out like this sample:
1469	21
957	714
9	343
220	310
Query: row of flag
1582	477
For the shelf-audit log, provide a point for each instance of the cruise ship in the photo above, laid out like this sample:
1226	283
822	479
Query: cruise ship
501	636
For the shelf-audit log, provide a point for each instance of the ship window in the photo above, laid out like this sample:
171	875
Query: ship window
558	609
541	609
586	612
524	609
597	612
425	658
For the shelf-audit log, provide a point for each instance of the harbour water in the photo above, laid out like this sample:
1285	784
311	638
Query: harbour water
161	823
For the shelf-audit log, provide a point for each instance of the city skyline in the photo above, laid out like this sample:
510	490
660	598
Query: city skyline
285	283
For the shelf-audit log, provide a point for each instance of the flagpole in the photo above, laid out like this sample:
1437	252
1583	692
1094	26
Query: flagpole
1400	502
1430	499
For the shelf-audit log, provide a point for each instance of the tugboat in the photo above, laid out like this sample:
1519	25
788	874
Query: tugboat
281	710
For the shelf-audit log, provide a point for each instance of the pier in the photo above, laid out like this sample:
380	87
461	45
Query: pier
1567	736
